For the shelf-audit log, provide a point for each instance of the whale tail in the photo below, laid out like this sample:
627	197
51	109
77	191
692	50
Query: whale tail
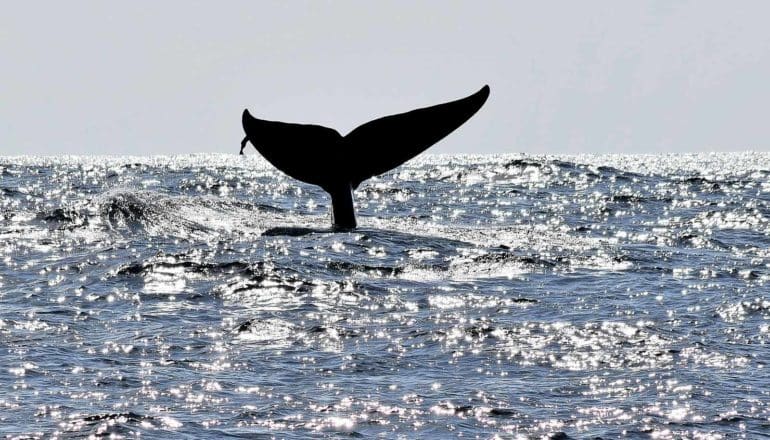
338	164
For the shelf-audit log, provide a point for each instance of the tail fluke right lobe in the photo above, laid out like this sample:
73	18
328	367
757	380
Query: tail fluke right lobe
385	143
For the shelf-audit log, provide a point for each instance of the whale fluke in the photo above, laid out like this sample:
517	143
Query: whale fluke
321	156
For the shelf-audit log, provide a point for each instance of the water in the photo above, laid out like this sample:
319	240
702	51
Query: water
519	296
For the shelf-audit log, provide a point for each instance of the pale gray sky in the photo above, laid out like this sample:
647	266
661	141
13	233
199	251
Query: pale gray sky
149	77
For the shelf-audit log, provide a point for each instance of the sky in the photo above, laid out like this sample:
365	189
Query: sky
172	77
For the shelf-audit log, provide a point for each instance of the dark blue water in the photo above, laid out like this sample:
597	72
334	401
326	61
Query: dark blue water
517	296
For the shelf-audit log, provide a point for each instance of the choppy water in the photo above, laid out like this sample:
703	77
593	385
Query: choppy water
518	296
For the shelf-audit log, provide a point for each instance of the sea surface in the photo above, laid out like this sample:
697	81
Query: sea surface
514	296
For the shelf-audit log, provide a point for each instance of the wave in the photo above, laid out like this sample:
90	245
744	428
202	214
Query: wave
184	216
119	424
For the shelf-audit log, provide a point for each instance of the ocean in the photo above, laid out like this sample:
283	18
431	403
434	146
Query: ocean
510	296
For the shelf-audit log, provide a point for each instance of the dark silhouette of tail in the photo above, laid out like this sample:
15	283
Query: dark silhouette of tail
321	156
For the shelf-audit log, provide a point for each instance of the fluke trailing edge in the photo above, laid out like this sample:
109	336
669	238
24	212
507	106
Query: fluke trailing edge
338	164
